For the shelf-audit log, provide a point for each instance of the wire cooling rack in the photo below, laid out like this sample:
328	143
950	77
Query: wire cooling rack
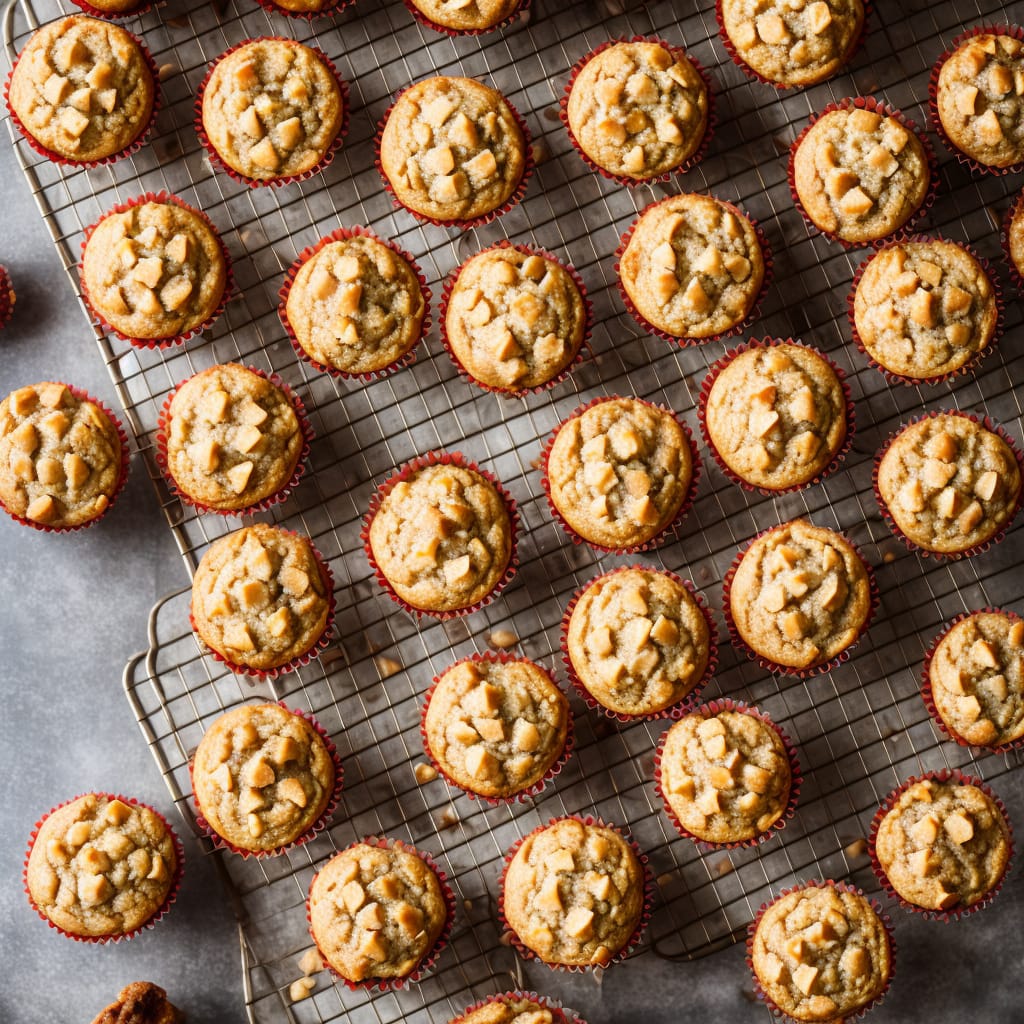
860	730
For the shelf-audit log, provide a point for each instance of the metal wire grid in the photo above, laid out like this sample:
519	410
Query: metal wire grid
860	730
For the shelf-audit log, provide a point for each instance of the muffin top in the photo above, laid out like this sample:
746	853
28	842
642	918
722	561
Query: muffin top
859	174
793	43
638	110
638	641
923	309
693	266
356	305
83	88
980	99
943	844
452	149
60	456
801	595
574	893
376	912
234	438
949	483
272	108
514	320
466	15
140	1002
259	597
262	776
620	471
496	727
821	953
777	415
512	1008
100	866
977	678
726	776
154	271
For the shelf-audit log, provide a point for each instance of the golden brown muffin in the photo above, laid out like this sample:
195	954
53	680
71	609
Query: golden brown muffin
574	893
141	1002
452	149
1015	236
638	110
60	456
376	912
83	89
512	1008
466	15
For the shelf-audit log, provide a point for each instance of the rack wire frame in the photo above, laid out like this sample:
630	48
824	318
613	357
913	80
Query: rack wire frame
860	730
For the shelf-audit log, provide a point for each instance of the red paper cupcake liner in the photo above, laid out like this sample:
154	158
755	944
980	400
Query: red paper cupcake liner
178	339
897	378
688	701
977	549
672	524
759	992
1016	32
330	8
1016	275
796	779
581	351
709	128
440	458
7	297
521	8
851	52
312	832
774	667
286	179
95	12
645	914
559	1014
682	341
133	147
906	229
431	955
158	914
954	913
84	396
523	795
341	234
473	222
163	427
702	409
928	695
303	659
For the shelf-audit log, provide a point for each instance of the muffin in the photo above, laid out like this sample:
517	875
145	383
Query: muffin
234	438
515	319
495	726
62	459
82	89
101	867
7	297
942	845
800	596
791	44
975	675
637	110
355	304
377	911
573	893
272	109
725	775
154	270
692	267
259	598
619	471
637	641
924	309
465	15
452	150
948	483
114	9
140	1002
776	415
262	776
821	953
859	173
979	100
1013	239
514	1008
442	536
